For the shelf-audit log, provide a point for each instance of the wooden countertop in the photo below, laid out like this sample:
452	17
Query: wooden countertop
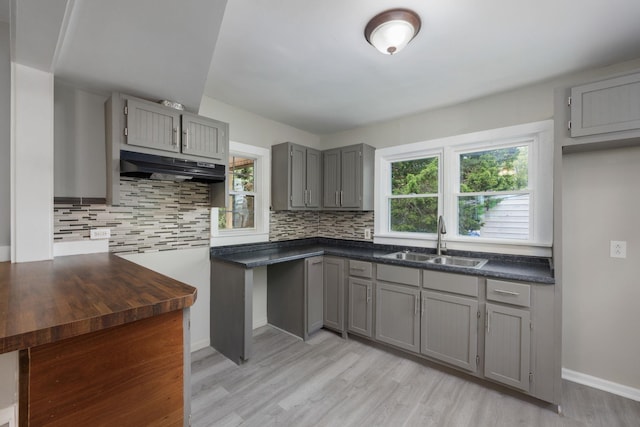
47	301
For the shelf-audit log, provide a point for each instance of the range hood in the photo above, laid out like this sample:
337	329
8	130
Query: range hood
169	168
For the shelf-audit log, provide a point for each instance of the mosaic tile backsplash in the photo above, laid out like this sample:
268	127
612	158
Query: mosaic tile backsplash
337	225
152	216
164	215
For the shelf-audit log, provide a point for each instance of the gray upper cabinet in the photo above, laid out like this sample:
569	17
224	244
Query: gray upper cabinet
295	177
151	125
360	310
348	177
204	137
606	106
507	346
333	313
397	316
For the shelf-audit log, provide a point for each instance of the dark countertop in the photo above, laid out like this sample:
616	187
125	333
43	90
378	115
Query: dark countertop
47	301
508	267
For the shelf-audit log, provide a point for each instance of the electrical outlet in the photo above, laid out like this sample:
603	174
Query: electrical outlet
100	233
367	233
618	249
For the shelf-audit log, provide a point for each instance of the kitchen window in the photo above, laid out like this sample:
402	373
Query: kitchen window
493	188
245	219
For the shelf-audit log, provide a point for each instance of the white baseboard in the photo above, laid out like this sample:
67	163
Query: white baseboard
80	247
258	323
199	345
600	384
5	253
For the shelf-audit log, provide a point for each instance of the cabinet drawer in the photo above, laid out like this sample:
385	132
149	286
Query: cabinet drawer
396	274
455	283
360	268
509	292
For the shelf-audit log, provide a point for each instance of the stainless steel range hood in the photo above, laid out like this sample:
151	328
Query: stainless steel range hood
168	168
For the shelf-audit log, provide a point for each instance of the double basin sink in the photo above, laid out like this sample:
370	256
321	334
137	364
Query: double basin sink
454	261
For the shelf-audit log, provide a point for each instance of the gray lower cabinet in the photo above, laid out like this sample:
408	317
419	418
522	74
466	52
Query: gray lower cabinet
314	293
507	346
397	316
449	329
333	301
360	310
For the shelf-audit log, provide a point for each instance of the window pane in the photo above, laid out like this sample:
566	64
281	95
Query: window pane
419	214
415	176
241	174
494	217
505	169
240	214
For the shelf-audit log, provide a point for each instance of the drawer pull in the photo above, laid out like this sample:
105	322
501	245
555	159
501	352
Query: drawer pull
502	291
316	262
358	268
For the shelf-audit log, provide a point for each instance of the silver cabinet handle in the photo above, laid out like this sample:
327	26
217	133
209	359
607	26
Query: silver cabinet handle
415	309
488	321
341	197
316	262
186	137
502	291
424	302
175	137
368	293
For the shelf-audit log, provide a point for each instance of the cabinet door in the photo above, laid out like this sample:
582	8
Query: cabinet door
333	313
450	329
298	176
606	106
397	316
204	137
351	177
331	178
152	126
507	345
360	306
313	178
315	291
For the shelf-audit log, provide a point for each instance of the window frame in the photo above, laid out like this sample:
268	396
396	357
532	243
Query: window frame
262	183
539	136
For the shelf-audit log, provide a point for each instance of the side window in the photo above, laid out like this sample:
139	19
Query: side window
413	202
241	206
493	194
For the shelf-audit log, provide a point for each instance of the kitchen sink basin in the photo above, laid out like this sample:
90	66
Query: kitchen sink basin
456	261
410	256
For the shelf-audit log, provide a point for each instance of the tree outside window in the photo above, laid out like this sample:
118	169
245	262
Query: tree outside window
240	212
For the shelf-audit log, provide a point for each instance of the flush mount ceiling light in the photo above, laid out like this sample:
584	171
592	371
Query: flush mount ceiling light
392	30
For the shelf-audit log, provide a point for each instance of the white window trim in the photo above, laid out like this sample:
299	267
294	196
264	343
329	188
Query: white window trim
540	175
260	233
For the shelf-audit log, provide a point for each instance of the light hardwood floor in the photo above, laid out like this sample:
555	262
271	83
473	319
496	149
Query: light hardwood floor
328	381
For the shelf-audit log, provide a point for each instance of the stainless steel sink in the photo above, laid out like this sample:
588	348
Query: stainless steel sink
410	256
457	261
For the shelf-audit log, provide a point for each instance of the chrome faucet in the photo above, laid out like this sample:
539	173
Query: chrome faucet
442	229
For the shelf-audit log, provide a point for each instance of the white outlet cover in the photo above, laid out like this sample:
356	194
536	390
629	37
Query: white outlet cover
100	233
618	249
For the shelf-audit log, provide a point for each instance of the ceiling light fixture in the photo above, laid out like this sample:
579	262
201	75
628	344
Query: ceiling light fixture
392	30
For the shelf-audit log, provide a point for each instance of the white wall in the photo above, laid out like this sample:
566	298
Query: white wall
9	375
79	143
190	266
5	143
32	164
249	128
601	294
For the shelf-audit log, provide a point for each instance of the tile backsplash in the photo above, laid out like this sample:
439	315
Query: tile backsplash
287	225
152	216
166	215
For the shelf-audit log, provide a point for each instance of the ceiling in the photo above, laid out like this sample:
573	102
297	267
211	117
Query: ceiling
307	64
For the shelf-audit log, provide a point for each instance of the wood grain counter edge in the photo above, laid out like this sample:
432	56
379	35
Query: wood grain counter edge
47	301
